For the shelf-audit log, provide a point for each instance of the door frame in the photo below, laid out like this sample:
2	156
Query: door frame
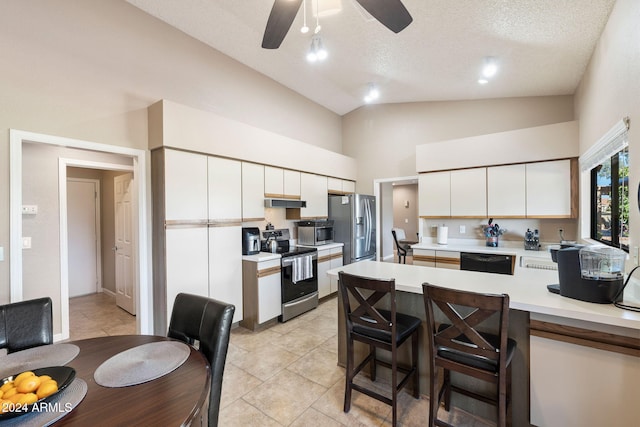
98	231
142	176
377	190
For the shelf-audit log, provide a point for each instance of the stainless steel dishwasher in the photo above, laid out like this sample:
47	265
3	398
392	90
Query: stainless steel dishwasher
487	263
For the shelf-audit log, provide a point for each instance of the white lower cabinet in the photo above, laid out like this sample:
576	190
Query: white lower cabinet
327	260
424	257
187	263
225	266
448	259
261	286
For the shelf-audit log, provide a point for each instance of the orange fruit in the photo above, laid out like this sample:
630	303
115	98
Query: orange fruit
11	392
28	399
28	385
44	378
47	388
16	397
6	386
22	376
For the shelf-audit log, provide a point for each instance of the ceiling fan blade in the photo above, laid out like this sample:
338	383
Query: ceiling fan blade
281	17
391	13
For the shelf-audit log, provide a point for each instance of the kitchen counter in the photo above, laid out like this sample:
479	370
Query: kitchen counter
565	346
261	256
478	246
527	289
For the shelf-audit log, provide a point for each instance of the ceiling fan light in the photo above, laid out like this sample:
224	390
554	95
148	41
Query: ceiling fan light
304	29
490	67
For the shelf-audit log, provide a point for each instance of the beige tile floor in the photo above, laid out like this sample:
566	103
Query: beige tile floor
285	375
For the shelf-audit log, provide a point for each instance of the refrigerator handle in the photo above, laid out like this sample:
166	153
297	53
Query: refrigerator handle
368	224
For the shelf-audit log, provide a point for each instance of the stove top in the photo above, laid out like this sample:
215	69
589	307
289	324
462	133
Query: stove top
293	251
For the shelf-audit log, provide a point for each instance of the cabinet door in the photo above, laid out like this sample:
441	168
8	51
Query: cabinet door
324	265
424	257
549	189
252	192
292	184
336	261
185	185
225	266
506	191
348	187
273	182
334	185
313	189
469	193
448	259
434	190
269	297
225	189
187	263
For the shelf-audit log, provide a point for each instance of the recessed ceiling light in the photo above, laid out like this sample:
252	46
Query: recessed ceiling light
483	81
490	67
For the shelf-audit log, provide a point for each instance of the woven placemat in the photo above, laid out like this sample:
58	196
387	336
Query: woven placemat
51	411
141	364
37	357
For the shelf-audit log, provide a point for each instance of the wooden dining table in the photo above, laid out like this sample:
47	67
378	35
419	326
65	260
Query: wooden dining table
177	398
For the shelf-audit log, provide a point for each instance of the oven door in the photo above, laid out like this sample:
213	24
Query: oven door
292	291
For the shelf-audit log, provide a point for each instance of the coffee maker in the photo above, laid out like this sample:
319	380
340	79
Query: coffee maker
590	273
250	240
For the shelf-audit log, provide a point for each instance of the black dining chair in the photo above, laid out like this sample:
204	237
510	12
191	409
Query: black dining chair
403	249
208	321
26	324
469	342
377	328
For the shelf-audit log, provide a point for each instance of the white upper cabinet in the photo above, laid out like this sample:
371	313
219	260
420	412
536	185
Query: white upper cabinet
340	186
185	183
291	184
434	194
225	189
549	189
313	189
469	193
506	191
252	192
274	182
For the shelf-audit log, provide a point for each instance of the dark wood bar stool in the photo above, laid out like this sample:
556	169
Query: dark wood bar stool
378	328
457	345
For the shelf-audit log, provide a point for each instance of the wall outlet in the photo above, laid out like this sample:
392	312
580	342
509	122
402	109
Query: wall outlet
406	220
26	243
1	253
29	209
463	229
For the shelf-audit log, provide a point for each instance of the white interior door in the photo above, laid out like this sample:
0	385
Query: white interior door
83	221
124	248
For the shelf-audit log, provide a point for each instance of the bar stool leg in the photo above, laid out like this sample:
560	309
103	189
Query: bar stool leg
447	390
414	362
373	363
348	376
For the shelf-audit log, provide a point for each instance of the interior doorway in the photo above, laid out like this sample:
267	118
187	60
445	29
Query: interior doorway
83	228
89	155
386	216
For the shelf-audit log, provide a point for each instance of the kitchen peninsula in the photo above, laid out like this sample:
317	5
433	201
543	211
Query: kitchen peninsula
577	363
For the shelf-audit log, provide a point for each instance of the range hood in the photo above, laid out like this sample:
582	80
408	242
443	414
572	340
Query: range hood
284	203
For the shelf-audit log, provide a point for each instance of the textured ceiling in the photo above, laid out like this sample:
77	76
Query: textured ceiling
543	47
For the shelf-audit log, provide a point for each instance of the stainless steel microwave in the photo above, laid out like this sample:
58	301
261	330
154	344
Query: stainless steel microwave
315	233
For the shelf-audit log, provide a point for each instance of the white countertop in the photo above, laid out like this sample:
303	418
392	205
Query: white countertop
261	256
527	289
478	246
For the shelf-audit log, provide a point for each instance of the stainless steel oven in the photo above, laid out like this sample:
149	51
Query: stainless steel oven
299	270
315	233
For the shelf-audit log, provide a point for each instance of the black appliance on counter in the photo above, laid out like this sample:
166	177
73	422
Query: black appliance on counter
592	274
487	263
298	272
250	240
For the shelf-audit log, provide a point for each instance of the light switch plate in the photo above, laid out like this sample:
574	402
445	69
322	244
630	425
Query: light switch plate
463	229
29	209
26	243
1	253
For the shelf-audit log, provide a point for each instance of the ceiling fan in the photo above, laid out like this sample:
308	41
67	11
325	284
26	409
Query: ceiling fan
391	13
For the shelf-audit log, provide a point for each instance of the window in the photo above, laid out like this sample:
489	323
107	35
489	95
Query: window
610	200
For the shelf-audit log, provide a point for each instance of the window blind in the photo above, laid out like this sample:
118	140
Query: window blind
611	142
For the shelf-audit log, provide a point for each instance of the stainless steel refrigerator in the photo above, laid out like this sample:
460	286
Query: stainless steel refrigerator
354	224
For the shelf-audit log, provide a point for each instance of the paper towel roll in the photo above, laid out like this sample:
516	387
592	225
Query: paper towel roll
442	235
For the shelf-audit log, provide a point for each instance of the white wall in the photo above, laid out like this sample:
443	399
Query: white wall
610	90
406	217
89	70
383	138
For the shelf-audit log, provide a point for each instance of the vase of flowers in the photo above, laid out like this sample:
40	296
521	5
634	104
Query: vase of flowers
492	233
